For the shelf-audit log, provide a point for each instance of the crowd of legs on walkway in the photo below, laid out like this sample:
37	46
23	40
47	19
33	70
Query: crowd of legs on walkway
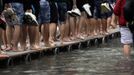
25	24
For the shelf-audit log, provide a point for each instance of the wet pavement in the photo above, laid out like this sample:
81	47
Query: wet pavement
104	60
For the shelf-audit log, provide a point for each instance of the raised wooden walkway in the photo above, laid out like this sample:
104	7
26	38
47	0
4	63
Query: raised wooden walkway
12	58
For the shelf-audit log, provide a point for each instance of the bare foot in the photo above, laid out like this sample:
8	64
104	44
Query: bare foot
95	34
8	49
35	47
23	48
113	25
47	45
52	44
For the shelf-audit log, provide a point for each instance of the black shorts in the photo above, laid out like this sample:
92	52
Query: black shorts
53	13
2	24
62	10
97	9
69	5
80	4
106	15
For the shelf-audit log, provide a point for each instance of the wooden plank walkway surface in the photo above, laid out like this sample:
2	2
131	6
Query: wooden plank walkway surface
11	54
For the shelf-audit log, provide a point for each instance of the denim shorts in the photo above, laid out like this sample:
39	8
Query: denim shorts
18	9
44	16
62	11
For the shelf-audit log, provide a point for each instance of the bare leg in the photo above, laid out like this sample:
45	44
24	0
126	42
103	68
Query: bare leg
62	31
0	39
16	37
52	33
45	33
23	37
66	30
99	26
86	25
80	26
127	50
114	21
9	32
104	26
32	37
4	38
72	27
109	22
92	26
37	39
96	26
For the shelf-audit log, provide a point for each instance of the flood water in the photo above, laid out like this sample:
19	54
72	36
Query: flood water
104	60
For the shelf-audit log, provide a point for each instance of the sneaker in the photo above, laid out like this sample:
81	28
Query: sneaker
30	18
76	12
87	9
105	7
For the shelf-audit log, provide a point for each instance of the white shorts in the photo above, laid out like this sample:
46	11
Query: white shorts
126	35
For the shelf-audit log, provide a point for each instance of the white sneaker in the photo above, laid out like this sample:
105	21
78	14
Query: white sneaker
87	9
76	12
